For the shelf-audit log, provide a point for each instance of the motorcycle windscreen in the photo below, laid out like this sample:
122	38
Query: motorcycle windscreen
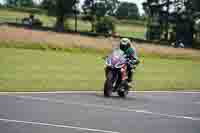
116	58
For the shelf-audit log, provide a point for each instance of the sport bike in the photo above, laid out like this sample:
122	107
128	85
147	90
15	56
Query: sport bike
116	74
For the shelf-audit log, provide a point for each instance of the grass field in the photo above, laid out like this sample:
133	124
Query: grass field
37	70
131	30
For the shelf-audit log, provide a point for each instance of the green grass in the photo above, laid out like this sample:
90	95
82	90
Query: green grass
9	15
38	70
129	30
122	28
25	10
132	22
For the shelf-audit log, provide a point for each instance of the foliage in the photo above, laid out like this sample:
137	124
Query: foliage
106	7
20	3
127	10
11	2
88	7
105	25
89	13
180	13
59	8
50	6
196	4
93	10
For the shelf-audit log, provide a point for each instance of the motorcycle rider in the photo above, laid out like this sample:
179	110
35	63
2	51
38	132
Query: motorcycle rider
131	55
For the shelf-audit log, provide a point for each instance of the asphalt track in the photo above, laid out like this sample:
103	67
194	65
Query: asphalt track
143	112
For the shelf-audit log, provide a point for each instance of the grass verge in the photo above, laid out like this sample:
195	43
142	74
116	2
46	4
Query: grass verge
83	69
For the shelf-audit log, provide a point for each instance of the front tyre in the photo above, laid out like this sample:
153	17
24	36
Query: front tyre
108	86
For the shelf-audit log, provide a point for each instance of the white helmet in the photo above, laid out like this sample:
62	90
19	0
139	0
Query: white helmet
125	43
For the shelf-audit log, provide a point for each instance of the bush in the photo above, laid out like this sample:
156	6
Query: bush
105	25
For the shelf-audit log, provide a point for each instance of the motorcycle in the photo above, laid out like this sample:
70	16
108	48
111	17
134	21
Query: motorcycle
116	74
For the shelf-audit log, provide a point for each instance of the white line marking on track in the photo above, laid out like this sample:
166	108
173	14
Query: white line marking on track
108	107
197	102
89	92
53	92
55	125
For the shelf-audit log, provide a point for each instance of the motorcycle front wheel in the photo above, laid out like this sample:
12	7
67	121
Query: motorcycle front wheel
108	85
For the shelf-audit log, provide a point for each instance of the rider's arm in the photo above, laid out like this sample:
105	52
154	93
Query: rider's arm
133	56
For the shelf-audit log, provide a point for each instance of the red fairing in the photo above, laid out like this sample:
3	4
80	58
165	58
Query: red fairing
123	72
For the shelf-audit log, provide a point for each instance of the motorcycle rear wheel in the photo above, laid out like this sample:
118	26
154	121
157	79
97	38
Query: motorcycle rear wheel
123	90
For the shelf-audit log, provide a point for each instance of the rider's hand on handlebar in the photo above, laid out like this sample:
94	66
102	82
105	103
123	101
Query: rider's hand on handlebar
104	57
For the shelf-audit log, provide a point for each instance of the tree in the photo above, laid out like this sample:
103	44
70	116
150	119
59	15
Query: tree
196	4
25	3
95	9
50	6
105	25
158	12
182	16
89	12
63	8
127	10
20	3
11	2
106	7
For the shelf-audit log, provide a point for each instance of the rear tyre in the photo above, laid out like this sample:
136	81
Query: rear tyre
123	91
123	94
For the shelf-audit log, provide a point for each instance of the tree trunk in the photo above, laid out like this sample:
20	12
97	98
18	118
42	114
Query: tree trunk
93	16
60	13
60	23
92	26
167	22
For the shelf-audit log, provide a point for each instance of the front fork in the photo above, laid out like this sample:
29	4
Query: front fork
124	73
106	71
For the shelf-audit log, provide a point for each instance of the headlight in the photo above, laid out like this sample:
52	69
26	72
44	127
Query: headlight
108	62
118	65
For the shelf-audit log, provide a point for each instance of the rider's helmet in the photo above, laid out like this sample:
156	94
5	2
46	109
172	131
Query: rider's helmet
125	43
